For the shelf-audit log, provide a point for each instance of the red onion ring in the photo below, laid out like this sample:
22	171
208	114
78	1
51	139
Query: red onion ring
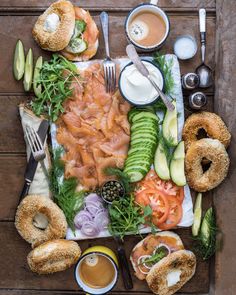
89	229
101	220
81	217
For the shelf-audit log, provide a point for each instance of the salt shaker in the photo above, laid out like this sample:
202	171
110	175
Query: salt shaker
190	81
197	100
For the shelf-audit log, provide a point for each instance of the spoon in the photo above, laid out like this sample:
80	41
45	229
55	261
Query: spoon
204	72
133	55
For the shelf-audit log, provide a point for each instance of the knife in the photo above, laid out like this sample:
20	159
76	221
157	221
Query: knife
32	164
133	55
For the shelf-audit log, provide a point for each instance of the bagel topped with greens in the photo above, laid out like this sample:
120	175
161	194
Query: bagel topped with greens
71	30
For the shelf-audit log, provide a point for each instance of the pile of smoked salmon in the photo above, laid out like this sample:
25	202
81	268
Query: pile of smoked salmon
93	130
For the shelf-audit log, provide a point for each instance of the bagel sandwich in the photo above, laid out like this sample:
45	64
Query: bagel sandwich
168	275
151	249
69	29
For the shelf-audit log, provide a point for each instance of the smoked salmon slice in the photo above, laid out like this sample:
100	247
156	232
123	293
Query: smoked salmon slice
93	130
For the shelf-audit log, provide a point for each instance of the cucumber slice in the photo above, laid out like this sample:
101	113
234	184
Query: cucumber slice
148	150
133	165
160	162
142	131
197	215
170	126
141	140
77	45
131	114
38	66
145	125
29	64
142	115
151	136
135	176
177	165
19	61
206	227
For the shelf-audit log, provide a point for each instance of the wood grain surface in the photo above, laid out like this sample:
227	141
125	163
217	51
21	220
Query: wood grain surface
16	20
225	105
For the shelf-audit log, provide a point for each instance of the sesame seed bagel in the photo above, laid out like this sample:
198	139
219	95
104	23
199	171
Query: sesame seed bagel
55	37
182	261
53	256
212	150
211	123
29	207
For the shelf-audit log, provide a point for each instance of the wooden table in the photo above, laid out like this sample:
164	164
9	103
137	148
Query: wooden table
16	21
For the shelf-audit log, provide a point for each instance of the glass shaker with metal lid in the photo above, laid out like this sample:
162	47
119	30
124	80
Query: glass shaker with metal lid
190	81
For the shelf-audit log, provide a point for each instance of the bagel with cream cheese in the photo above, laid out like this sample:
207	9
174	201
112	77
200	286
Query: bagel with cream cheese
165	241
53	256
29	207
211	123
71	30
212	150
169	274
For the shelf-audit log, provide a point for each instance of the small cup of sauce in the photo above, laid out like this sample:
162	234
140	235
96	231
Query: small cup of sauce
136	88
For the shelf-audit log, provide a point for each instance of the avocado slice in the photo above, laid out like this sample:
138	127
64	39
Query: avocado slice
170	126
19	61
38	66
160	162
29	64
177	172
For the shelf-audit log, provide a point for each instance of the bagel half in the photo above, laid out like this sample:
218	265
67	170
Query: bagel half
211	123
54	28
148	245
212	150
168	275
29	207
53	256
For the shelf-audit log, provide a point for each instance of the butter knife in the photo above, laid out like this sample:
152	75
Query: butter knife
133	55
32	164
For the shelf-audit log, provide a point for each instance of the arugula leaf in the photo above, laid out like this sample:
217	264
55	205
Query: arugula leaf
56	78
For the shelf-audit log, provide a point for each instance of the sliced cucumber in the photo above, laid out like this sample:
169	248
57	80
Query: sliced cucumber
77	45
148	125
197	215
151	136
144	141
177	165
170	126
206	227
142	115
29	65
19	61
37	87
135	176
160	162
131	114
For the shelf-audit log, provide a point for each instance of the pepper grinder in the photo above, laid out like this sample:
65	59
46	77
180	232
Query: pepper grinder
197	100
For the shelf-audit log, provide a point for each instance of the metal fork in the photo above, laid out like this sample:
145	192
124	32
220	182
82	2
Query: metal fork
36	147
109	65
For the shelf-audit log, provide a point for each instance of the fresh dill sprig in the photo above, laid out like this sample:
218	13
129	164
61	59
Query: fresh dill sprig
206	244
166	68
56	78
64	190
122	177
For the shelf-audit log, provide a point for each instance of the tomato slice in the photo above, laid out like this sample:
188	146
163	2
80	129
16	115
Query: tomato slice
180	194
157	201
175	214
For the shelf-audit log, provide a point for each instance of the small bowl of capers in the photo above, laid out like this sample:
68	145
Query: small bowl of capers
111	191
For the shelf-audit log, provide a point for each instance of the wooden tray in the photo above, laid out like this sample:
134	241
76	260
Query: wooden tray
16	21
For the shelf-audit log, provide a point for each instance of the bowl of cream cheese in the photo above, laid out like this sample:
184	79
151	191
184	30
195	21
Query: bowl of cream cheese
137	89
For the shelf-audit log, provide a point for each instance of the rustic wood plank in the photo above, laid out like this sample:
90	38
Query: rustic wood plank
225	105
102	4
16	275
11	135
10	33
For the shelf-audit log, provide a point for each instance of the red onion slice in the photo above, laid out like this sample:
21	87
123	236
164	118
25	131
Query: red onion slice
101	220
142	266
89	229
93	207
93	198
81	217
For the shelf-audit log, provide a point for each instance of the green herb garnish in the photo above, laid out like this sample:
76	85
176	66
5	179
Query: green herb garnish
206	240
127	217
56	78
166	68
156	257
64	190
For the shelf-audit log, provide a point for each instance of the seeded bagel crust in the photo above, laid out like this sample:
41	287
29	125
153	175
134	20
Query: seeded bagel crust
182	260
211	123
53	256
60	38
212	150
